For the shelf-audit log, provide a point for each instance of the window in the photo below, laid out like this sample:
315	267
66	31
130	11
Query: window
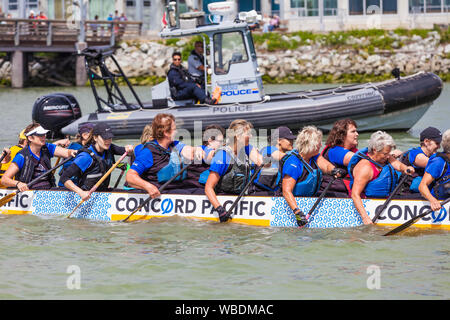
429	6
366	7
229	48
31	4
311	7
13	5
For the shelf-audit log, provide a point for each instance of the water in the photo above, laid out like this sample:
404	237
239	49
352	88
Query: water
178	258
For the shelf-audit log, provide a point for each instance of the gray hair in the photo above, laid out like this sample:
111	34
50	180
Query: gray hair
379	140
308	139
445	143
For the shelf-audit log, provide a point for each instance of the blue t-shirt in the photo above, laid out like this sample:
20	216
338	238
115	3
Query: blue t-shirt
144	157
19	160
337	154
435	166
293	167
412	154
221	161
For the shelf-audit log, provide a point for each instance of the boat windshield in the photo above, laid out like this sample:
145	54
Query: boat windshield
229	48
251	46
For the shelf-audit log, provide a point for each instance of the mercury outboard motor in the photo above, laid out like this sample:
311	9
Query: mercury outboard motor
55	111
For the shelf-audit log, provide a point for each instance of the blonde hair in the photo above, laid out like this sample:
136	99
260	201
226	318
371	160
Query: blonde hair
445	143
146	134
237	128
308	140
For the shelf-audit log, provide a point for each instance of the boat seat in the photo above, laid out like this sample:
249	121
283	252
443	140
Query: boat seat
162	97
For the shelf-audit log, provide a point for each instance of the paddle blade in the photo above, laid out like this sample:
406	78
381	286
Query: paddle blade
7	199
402	227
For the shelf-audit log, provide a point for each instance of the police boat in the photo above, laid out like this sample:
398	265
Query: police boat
395	104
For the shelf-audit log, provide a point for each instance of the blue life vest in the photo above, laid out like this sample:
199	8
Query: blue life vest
386	181
309	182
441	186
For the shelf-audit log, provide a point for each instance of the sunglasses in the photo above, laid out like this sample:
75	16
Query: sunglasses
177	59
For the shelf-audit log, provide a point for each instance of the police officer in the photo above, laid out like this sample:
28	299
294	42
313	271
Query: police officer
196	67
181	84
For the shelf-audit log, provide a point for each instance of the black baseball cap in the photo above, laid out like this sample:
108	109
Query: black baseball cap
284	133
431	133
103	130
85	127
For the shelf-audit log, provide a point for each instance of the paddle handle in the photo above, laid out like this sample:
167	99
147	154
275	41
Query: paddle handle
160	190
258	169
320	198
4	153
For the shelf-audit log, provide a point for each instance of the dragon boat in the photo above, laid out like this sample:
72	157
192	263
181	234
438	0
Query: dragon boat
251	210
395	104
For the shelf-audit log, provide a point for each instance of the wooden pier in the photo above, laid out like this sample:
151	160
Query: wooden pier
21	37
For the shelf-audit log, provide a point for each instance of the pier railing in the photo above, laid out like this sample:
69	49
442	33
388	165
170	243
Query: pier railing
59	33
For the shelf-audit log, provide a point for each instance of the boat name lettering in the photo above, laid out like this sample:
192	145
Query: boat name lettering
18	201
396	212
360	96
231	109
187	206
240	92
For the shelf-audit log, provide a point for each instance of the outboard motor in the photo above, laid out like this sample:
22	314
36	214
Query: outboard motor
55	111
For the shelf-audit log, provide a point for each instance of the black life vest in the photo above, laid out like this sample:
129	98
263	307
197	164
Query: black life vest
99	166
32	168
237	174
441	186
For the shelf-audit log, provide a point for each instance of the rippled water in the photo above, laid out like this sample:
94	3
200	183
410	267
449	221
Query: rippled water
178	258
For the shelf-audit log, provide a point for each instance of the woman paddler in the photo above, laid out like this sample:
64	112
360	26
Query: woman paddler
341	145
302	169
161	159
374	172
93	162
435	183
34	160
231	165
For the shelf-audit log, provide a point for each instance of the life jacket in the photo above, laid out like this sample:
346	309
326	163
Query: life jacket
99	166
339	185
441	186
269	176
413	180
309	182
32	168
237	174
72	146
383	184
4	166
166	164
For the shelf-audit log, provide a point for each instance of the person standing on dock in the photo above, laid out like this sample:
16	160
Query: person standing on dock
34	160
435	183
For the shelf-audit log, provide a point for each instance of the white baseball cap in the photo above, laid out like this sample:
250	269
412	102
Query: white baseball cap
39	131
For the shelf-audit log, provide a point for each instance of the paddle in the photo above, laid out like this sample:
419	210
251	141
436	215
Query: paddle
412	221
3	156
385	204
99	182
121	175
160	190
9	197
230	210
318	200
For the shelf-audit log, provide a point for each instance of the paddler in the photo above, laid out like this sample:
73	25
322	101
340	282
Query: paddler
11	153
93	162
34	160
435	183
374	172
430	142
302	169
231	165
161	158
341	145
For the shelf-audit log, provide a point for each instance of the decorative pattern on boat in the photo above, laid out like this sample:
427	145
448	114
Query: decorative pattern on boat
62	203
330	213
